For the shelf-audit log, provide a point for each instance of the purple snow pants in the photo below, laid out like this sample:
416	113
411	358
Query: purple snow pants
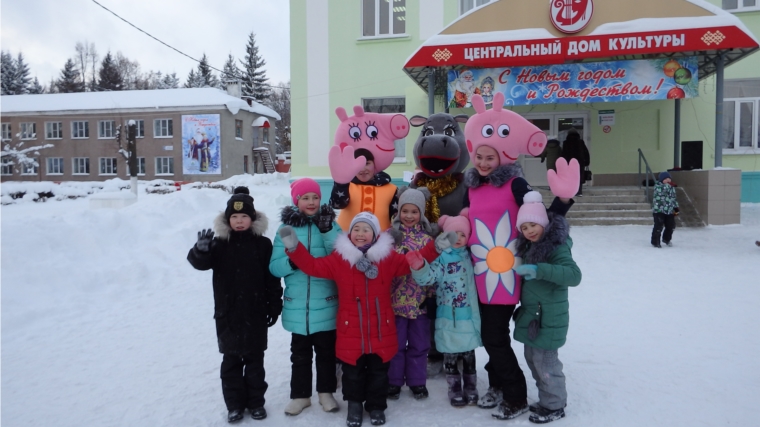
409	365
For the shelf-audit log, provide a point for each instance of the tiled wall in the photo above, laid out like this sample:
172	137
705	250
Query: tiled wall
716	193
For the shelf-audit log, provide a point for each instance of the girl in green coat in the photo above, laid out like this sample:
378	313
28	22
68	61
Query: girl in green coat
542	320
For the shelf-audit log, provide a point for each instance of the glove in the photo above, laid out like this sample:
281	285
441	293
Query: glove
204	240
325	219
676	211
528	271
397	235
292	264
445	241
415	260
564	182
271	320
289	239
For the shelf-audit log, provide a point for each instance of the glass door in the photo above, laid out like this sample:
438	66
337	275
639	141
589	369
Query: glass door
554	125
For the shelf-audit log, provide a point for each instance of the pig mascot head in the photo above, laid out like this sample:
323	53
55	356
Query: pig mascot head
373	132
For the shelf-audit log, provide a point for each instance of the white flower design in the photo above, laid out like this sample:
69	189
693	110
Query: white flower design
495	256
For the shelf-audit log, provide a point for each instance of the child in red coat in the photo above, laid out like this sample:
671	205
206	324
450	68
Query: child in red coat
363	266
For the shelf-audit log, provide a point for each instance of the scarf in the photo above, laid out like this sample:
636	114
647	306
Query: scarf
438	187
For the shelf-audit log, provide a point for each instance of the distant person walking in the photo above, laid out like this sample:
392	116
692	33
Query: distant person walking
575	148
552	152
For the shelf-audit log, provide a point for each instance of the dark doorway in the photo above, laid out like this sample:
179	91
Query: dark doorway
691	155
245	164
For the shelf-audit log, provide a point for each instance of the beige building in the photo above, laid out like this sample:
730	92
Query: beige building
201	134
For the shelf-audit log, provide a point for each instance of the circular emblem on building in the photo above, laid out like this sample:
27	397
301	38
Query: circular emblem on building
571	16
607	129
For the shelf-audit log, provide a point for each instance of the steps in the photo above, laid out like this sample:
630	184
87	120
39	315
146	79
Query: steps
263	154
621	206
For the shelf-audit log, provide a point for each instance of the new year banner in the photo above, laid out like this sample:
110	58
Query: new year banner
201	149
613	81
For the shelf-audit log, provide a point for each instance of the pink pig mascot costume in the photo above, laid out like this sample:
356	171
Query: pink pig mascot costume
359	139
493	201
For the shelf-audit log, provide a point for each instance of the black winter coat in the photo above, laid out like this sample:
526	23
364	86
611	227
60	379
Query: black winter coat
575	148
244	289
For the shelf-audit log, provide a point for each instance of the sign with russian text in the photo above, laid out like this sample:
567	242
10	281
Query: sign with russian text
201	148
613	81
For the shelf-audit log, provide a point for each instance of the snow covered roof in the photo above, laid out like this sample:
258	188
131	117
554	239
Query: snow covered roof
167	99
506	33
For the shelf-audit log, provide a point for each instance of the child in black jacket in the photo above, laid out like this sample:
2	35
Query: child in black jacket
247	300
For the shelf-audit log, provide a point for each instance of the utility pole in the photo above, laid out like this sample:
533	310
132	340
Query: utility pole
132	159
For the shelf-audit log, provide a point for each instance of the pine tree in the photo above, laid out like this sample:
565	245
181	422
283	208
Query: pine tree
170	81
230	72
205	74
52	88
254	76
70	79
36	88
194	80
110	78
7	72
21	79
280	102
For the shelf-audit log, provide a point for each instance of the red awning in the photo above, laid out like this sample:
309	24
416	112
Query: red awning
491	36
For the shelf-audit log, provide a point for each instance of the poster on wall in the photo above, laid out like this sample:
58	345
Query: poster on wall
612	81
201	149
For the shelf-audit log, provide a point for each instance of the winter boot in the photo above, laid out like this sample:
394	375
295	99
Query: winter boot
512	409
355	414
394	392
456	398
377	417
669	243
470	389
328	402
419	391
295	406
491	399
258	413
235	415
434	367
543	415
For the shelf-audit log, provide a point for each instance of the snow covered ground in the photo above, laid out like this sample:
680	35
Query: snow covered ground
105	323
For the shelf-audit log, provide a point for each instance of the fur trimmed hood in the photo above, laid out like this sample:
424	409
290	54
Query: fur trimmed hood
223	230
500	176
290	215
376	253
556	233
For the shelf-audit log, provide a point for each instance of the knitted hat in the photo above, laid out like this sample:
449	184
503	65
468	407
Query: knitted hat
455	223
663	176
302	186
417	197
369	219
532	210
240	202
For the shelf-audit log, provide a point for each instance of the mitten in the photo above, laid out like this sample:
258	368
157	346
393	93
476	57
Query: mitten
325	218
415	260
528	271
271	319
397	235
445	241
343	165
676	211
292	264
564	182
204	240
289	239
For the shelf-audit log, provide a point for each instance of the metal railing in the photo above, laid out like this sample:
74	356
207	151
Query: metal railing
649	176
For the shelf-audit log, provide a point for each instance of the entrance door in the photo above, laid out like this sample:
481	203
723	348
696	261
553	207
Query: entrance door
556	125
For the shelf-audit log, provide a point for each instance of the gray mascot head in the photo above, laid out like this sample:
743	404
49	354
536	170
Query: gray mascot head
440	149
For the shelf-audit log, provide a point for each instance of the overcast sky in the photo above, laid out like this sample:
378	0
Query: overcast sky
46	31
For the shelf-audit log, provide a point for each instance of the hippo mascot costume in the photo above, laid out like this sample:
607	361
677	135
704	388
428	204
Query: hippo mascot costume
365	140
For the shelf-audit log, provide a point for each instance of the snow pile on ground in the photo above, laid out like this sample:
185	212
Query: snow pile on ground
105	323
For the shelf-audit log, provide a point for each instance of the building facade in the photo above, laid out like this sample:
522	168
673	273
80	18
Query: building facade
182	134
346	53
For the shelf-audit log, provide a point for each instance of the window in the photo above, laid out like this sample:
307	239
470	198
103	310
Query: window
6	131
106	129
741	5
7	169
30	168
55	166
28	130
80	130
383	18
53	130
140	131
741	125
107	166
162	128
81	166
164	166
389	105
467	5
239	129
141	165
265	135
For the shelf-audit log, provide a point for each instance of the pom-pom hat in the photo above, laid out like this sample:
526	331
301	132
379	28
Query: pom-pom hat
456	223
532	210
241	202
303	186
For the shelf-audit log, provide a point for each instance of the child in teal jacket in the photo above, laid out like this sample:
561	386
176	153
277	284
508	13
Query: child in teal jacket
543	318
311	303
457	322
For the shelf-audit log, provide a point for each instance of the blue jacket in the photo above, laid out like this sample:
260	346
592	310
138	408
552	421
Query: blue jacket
310	303
457	323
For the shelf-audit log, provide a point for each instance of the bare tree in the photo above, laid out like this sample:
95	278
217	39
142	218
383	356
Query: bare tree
84	52
14	153
129	70
94	61
279	100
